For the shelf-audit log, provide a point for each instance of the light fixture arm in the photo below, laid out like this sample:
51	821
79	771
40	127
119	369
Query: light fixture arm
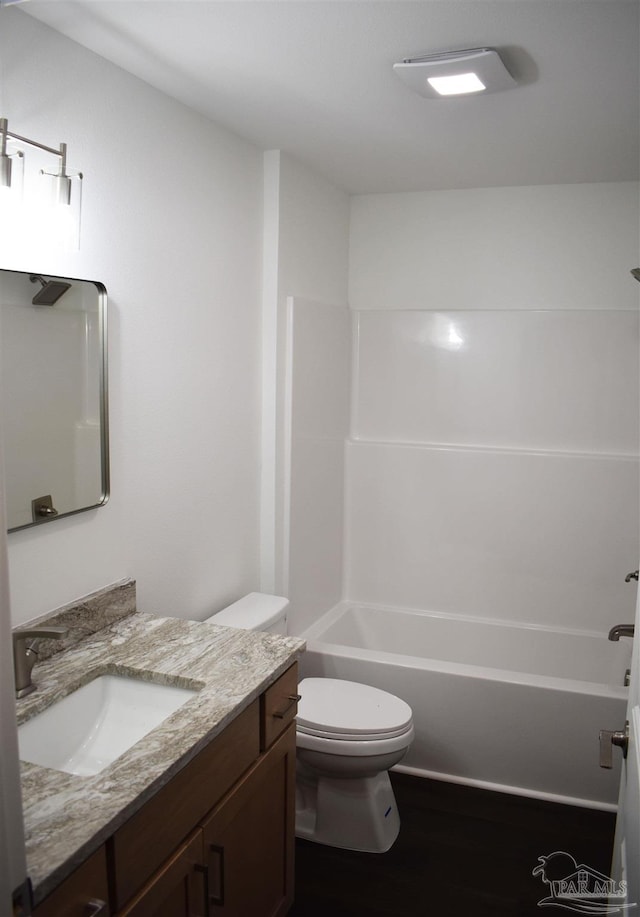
6	133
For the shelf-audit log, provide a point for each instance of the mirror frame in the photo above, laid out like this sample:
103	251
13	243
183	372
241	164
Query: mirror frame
105	476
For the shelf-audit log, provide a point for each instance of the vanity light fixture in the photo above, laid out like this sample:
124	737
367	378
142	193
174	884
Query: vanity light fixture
63	180
455	73
61	197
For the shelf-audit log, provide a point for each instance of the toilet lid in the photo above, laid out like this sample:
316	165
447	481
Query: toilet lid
347	709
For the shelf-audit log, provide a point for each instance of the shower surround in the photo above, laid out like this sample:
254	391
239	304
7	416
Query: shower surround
475	461
491	467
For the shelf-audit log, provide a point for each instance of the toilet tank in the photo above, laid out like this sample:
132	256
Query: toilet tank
256	611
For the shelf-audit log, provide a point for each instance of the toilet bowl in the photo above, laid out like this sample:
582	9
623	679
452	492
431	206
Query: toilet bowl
348	735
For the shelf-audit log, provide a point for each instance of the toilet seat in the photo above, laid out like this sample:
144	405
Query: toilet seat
346	711
363	747
351	737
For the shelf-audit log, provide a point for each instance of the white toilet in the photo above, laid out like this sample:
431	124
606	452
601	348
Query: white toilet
348	735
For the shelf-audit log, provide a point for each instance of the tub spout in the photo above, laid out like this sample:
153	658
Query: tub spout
621	630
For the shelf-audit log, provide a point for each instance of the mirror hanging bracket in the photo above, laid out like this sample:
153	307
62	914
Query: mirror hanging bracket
42	509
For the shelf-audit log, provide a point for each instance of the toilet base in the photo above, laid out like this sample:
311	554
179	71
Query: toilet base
354	813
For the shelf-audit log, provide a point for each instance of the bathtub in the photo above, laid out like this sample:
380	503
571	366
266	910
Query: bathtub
503	706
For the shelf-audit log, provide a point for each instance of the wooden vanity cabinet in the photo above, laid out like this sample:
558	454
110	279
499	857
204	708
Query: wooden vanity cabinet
223	828
239	863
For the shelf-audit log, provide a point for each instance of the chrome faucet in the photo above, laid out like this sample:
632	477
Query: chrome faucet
621	630
25	654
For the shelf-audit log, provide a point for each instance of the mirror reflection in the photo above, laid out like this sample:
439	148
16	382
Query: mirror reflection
53	396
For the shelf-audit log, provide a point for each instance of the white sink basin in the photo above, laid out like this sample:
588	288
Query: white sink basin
90	728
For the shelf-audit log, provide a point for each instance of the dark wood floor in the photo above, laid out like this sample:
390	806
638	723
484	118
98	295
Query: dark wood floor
462	852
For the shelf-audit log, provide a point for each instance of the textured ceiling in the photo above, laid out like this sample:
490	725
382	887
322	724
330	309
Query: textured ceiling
314	78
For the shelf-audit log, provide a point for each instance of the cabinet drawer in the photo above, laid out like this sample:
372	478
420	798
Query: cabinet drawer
154	832
83	893
278	706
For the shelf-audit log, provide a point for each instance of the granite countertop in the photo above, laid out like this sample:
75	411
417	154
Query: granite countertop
67	817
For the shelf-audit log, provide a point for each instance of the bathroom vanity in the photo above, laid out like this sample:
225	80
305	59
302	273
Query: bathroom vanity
196	818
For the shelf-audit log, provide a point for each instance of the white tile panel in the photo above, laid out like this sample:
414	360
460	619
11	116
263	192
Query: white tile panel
554	380
523	537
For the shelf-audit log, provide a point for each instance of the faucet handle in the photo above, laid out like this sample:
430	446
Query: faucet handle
630	576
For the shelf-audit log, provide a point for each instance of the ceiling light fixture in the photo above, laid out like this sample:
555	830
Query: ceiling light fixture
454	73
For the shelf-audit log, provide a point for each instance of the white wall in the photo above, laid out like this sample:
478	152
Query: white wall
493	463
172	222
544	247
306	236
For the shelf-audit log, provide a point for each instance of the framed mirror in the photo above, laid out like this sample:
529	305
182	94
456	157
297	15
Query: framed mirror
53	396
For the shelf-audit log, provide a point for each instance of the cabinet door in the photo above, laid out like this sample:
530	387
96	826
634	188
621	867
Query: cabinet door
178	889
249	838
83	894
